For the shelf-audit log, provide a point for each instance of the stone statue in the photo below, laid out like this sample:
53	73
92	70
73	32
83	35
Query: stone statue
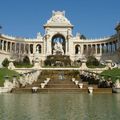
117	83
37	49
39	36
58	48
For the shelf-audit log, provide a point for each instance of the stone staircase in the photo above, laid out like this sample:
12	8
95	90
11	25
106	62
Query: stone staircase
60	81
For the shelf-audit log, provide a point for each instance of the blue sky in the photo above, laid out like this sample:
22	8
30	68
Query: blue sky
93	18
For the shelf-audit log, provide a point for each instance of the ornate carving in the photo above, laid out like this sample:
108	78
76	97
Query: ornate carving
58	48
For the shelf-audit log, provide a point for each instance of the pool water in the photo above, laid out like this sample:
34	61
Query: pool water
59	106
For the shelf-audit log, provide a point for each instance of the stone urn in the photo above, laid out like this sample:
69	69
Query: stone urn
80	85
90	90
76	82
73	79
42	85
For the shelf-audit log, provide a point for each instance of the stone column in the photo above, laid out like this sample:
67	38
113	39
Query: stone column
0	44
103	48
48	44
81	46
34	48
100	46
115	45
10	46
29	49
15	47
111	46
19	48
24	51
6	46
66	47
49	47
86	49
106	47
95	49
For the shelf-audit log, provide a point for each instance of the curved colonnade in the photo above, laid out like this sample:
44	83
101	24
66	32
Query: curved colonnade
99	46
20	46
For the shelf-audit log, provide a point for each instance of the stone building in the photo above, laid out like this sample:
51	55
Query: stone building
58	39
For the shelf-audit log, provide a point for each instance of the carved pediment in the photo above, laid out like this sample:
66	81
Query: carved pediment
58	19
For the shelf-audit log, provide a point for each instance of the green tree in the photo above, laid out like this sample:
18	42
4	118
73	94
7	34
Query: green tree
91	60
26	60
5	62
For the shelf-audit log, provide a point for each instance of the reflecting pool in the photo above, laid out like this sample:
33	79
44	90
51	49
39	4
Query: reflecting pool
59	106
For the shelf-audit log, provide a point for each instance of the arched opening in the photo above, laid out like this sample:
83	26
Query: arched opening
31	48
1	44
5	45
77	49
8	47
58	45
38	48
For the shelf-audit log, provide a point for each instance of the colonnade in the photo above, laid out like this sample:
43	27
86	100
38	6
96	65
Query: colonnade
97	48
19	47
84	48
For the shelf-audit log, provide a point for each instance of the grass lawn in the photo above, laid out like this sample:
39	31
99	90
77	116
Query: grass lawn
114	73
5	72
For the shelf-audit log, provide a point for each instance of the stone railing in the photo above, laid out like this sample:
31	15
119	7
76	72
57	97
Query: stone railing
20	80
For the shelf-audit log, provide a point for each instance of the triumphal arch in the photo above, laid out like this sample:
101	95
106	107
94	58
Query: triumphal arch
58	39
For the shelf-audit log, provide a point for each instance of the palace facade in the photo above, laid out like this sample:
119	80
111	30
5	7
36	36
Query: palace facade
58	39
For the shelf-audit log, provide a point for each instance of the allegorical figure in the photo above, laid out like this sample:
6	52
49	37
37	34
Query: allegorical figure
58	48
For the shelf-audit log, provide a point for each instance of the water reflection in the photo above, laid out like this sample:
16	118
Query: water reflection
62	106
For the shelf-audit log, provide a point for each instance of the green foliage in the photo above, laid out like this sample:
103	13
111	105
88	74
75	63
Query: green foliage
113	74
25	63
58	60
92	61
5	62
6	72
26	60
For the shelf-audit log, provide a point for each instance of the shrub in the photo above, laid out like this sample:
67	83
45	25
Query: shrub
26	60
5	62
91	60
24	63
